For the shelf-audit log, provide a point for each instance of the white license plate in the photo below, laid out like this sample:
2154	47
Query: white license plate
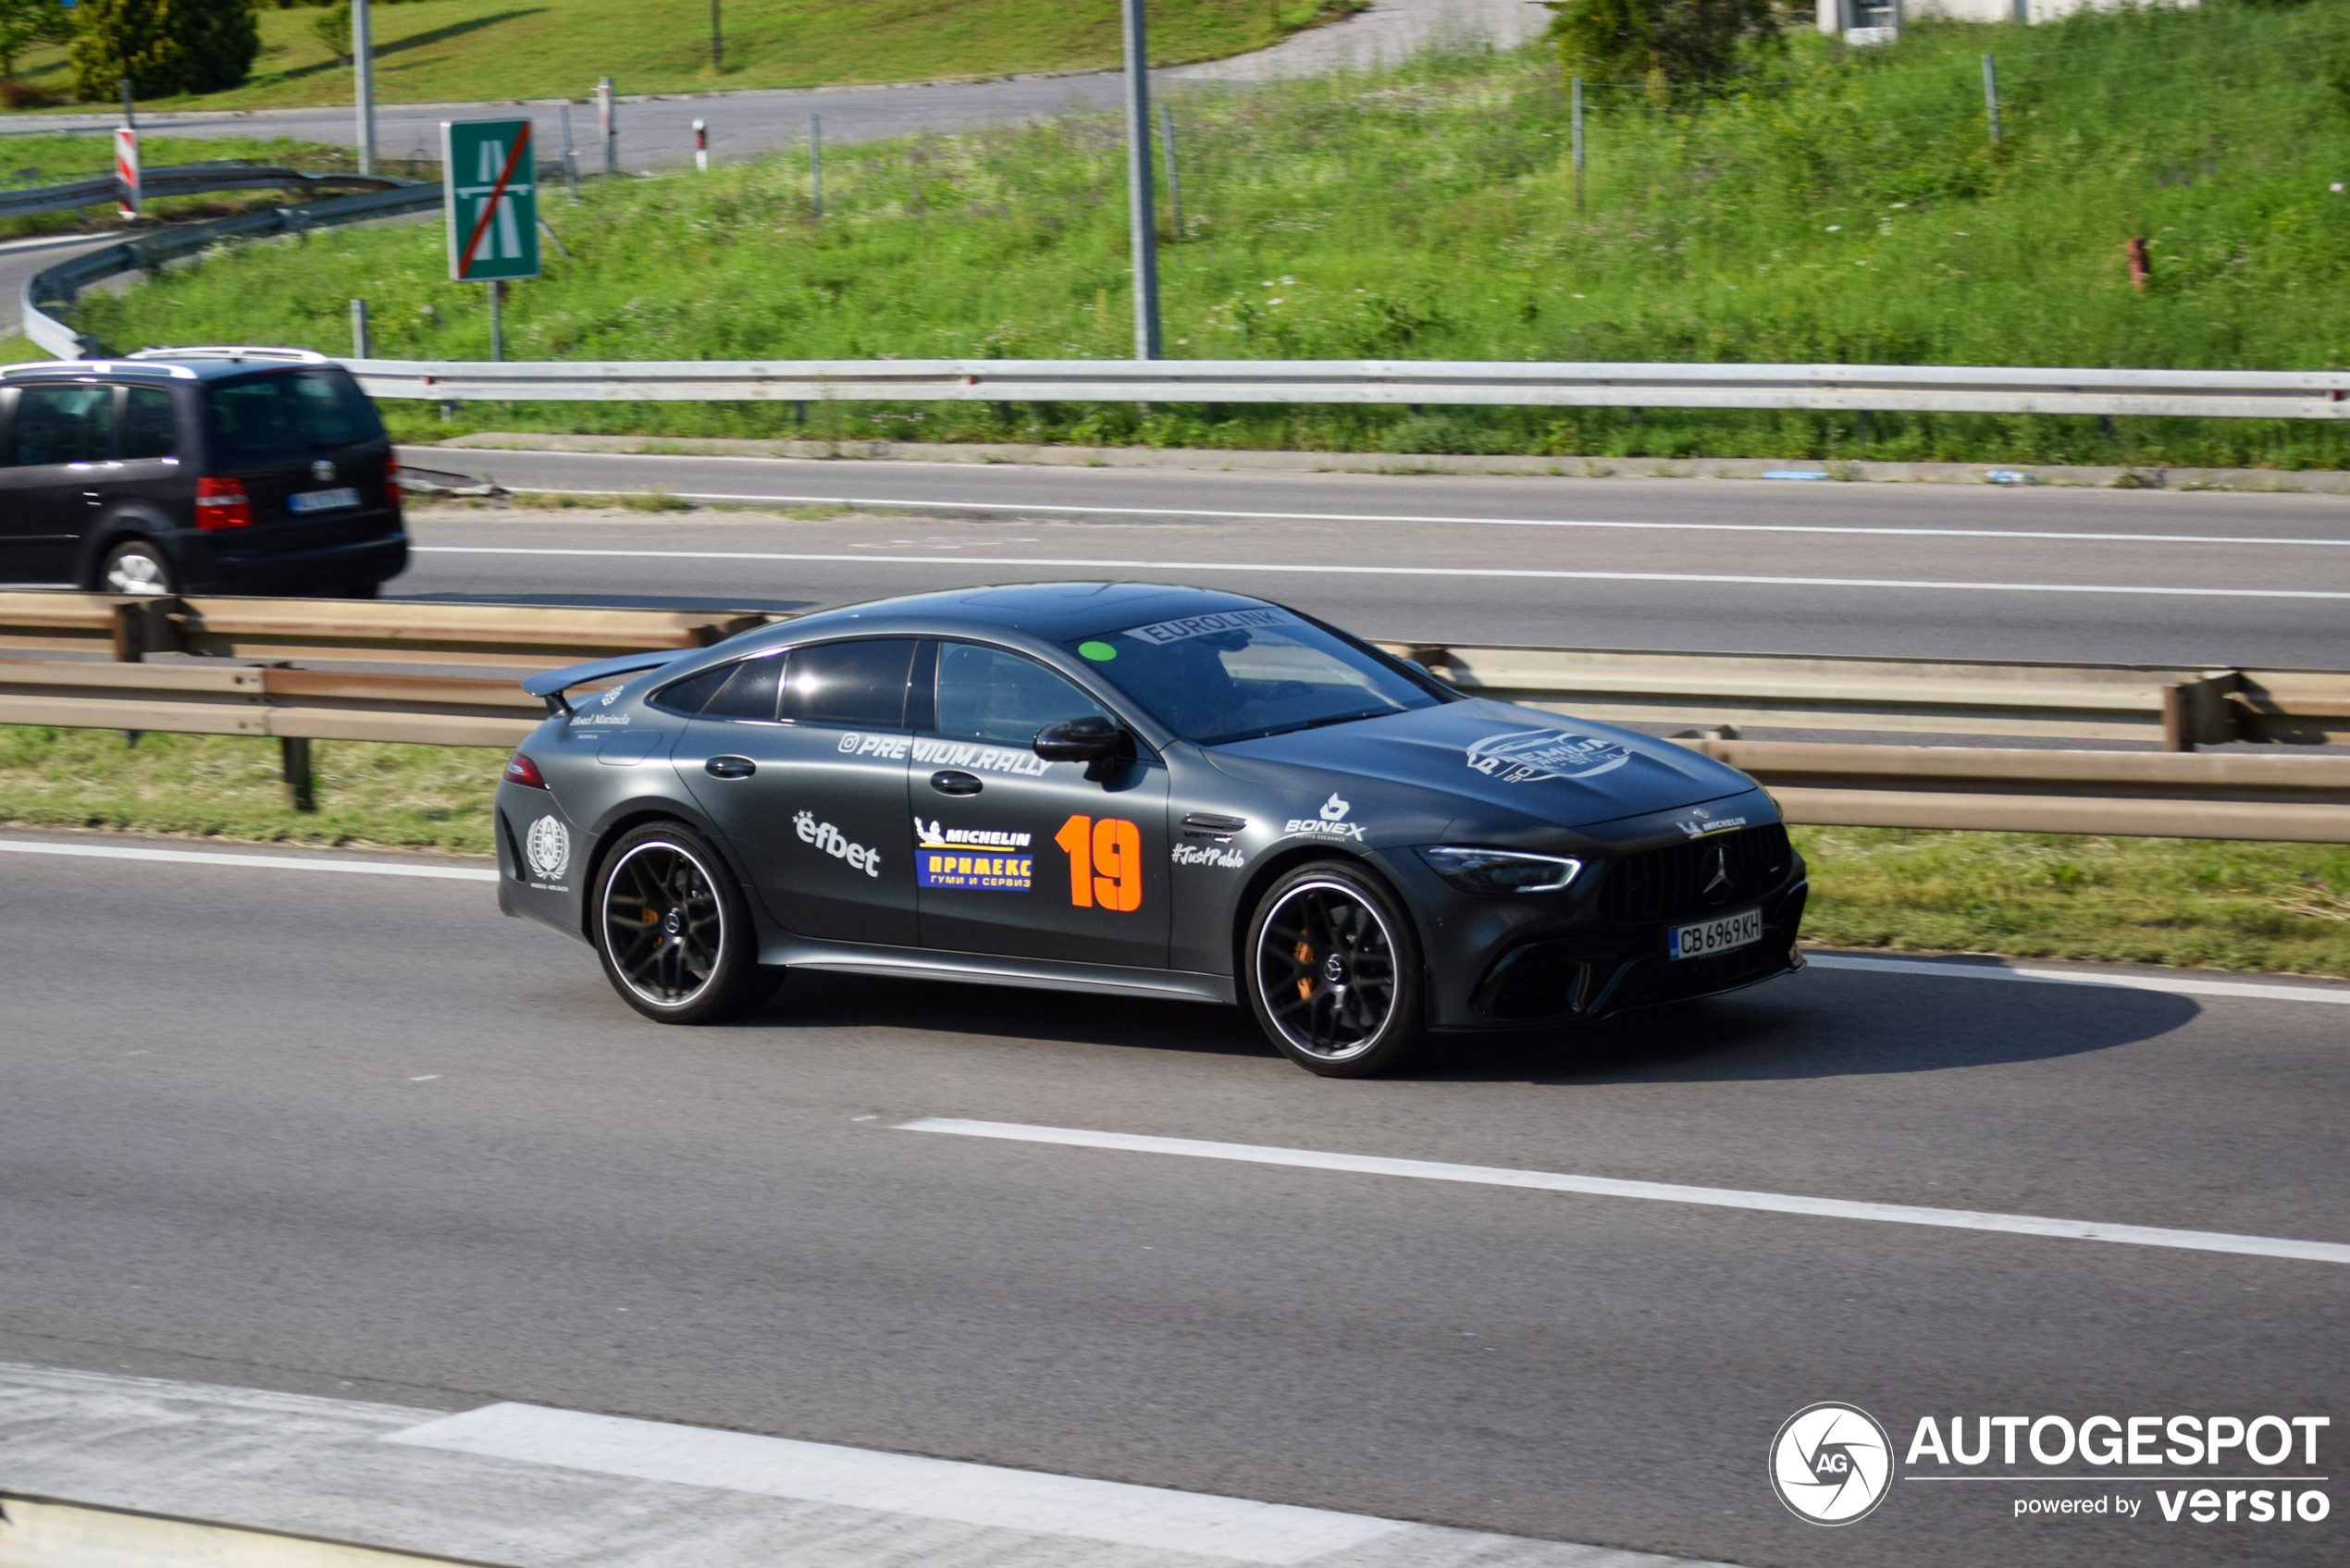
1708	937
323	501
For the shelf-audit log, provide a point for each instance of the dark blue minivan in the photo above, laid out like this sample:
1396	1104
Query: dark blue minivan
204	471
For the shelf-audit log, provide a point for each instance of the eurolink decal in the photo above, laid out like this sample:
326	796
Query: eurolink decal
1190	626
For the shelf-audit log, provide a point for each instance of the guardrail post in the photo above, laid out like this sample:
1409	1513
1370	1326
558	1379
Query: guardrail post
359	329
2198	713
302	788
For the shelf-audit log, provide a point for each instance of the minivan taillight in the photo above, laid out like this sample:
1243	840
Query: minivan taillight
391	482
222	503
521	769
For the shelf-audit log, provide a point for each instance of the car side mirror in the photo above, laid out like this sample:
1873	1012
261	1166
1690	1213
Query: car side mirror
1098	742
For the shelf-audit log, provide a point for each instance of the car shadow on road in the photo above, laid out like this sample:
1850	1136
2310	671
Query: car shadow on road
835	1001
1796	1029
614	602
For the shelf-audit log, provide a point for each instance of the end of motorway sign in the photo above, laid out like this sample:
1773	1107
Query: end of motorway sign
489	178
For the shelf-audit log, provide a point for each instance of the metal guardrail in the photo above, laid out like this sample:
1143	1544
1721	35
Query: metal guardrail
2226	394
2231	794
173	180
55	288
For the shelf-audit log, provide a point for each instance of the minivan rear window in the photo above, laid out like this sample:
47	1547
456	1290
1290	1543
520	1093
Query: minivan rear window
279	418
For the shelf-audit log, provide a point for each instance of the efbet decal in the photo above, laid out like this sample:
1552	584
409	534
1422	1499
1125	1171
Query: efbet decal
829	839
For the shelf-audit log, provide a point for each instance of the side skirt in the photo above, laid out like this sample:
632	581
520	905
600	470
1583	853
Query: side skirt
981	969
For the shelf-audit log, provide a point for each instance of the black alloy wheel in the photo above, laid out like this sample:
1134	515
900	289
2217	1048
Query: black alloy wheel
1333	972
672	929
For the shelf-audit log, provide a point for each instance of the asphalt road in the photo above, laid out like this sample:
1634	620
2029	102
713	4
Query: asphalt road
1724	565
359	1135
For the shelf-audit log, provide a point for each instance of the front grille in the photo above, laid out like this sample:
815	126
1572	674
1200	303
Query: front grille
1672	883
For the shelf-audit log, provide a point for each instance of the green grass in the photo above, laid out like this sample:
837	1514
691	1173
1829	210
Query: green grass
1846	206
57	159
434	51
2283	907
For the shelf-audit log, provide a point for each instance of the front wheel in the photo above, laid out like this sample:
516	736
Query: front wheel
674	930
1333	972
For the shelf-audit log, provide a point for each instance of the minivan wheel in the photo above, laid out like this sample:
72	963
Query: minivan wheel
674	930
135	568
1333	972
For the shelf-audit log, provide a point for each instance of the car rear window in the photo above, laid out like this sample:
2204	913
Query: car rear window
278	418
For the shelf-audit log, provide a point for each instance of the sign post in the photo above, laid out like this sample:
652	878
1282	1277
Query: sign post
126	169
491	190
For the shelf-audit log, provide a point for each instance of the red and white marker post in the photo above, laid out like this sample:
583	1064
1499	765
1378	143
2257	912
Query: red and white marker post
126	169
701	146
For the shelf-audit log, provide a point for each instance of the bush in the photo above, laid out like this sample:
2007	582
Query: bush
1659	43
166	48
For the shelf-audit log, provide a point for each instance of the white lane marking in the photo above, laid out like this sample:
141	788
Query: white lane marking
1659	1191
249	862
1321	569
1410	517
1153	1517
2074	977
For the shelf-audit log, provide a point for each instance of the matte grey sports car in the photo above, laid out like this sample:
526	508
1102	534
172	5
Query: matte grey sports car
1141	791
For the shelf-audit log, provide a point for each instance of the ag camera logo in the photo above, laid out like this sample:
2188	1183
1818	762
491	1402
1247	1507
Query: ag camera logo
548	845
1831	1464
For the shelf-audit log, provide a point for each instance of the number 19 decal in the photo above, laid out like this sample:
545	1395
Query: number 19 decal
1105	862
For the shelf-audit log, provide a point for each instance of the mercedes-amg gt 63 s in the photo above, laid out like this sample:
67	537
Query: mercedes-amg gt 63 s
1141	790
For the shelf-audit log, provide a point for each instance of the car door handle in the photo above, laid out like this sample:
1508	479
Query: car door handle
953	781
730	766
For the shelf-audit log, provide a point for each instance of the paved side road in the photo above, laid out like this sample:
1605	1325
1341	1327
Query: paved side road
658	133
357	1137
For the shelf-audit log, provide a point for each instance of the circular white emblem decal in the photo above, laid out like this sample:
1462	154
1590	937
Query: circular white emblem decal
1545	754
1831	1464
549	845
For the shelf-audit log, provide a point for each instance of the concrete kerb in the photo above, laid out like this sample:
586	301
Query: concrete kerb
2317	481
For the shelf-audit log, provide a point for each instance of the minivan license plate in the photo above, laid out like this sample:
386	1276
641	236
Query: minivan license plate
323	501
1708	937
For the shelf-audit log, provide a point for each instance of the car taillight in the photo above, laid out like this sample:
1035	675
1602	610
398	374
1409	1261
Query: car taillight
391	482
521	769
222	503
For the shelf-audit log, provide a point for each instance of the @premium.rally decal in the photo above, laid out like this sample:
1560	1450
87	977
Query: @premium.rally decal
1521	754
982	858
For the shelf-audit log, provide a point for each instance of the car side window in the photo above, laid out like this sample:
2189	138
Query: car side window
150	424
692	694
861	683
985	694
71	424
750	691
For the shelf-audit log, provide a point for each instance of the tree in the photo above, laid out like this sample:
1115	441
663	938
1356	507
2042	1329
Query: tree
164	46
26	23
1660	43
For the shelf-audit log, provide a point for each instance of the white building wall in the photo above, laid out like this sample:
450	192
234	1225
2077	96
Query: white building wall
1836	16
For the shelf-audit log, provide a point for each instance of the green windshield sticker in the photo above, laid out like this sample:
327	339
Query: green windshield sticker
1100	652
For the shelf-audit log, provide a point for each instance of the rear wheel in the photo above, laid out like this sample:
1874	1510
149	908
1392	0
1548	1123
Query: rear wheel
1333	972
137	567
673	930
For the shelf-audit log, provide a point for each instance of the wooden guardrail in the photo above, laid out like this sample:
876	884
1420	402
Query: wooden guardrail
242	681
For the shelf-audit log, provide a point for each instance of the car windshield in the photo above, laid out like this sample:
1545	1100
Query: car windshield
1236	674
275	418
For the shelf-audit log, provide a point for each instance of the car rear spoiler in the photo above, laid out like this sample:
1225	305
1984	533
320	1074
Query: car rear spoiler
555	683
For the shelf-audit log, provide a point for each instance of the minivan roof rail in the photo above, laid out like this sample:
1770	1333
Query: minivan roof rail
51	365
291	356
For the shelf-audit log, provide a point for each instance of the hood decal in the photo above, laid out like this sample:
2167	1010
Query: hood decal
1516	755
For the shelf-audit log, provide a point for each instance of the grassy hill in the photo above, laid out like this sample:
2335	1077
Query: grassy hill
54	160
1844	205
432	51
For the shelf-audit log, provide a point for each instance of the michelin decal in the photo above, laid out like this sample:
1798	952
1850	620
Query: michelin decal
985	860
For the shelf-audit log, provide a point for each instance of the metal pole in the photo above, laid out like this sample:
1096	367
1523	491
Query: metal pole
129	118
301	780
571	163
363	82
608	125
359	329
1174	182
1579	144
1142	215
1991	95
816	160
497	320
717	42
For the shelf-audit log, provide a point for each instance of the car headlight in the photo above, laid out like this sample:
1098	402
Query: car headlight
1501	870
